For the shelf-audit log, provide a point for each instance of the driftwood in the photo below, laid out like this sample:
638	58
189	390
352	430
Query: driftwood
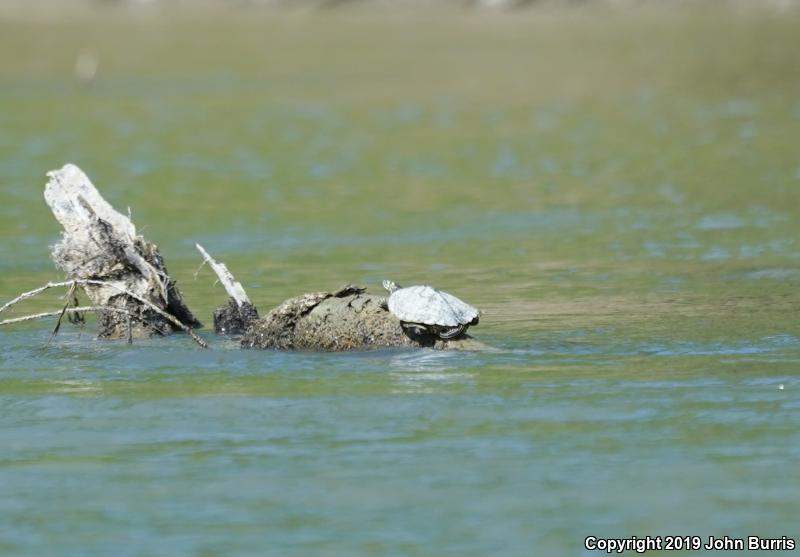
116	268
125	279
347	319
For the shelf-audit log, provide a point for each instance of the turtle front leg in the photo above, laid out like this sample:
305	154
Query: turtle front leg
384	302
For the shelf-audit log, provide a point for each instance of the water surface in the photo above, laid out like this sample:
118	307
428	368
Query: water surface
619	197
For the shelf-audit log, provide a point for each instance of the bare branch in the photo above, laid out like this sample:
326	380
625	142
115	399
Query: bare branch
60	312
83	283
35	292
234	289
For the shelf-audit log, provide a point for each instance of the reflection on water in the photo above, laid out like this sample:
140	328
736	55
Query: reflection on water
426	371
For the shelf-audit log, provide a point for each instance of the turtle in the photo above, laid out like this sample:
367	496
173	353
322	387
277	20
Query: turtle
425	309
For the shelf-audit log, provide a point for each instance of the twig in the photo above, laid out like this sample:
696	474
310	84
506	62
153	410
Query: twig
60	312
69	295
33	293
83	282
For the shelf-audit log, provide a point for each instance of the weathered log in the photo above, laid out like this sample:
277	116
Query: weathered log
100	244
238	313
347	319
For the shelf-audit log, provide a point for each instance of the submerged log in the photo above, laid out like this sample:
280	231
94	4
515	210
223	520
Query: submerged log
116	268
347	319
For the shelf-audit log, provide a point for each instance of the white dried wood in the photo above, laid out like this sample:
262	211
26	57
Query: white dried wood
234	288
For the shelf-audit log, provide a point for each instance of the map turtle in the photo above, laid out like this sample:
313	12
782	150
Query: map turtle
427	310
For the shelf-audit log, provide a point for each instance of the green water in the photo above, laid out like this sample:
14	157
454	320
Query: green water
619	195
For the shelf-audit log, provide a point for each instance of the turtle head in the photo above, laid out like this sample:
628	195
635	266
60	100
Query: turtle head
390	286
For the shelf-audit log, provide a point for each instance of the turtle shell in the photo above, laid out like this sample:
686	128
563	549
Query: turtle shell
426	305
